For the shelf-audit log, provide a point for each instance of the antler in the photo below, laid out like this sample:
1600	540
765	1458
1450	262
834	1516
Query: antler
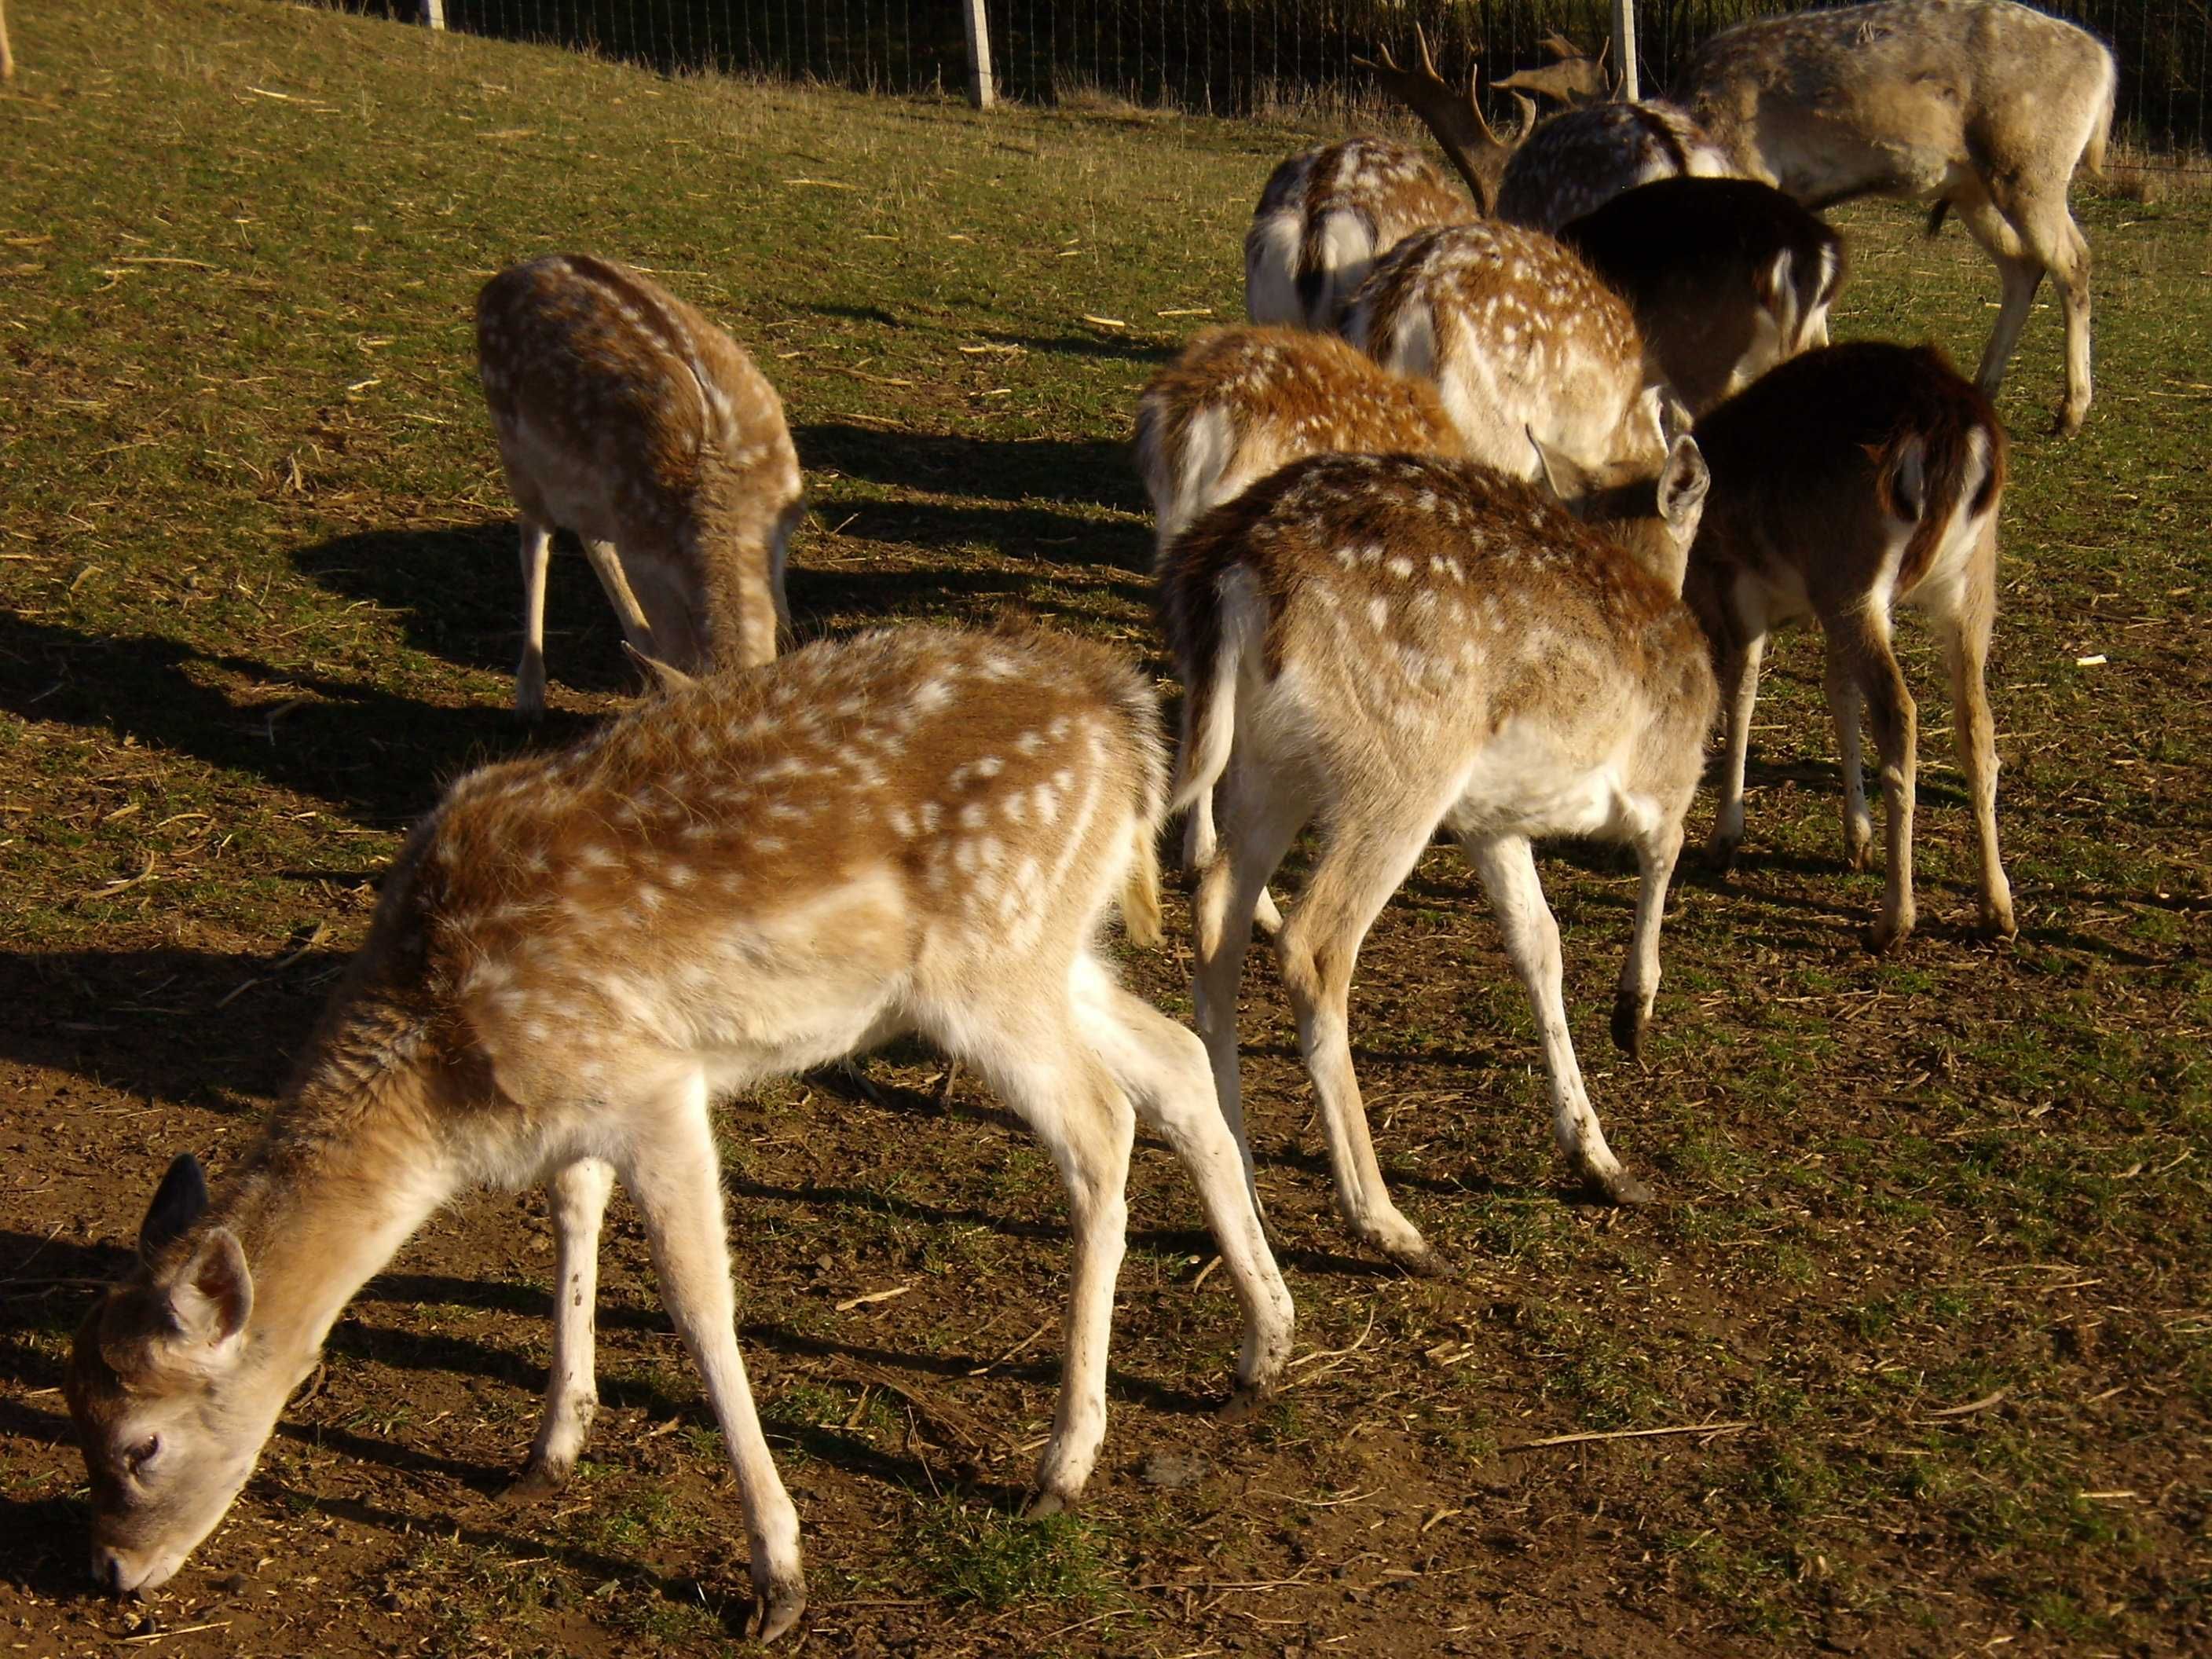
1456	121
1573	78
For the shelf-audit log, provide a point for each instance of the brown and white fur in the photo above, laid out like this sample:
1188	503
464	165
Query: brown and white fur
625	416
1986	107
1581	159
1846	482
576	953
1727	277
1327	215
1521	340
1241	403
1382	645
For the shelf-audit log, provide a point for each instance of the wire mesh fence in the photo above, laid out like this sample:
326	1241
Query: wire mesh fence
1241	57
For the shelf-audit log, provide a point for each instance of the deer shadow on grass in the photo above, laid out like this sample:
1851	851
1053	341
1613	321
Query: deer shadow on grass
376	755
1081	473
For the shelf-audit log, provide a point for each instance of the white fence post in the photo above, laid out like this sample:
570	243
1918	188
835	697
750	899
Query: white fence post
981	93
1624	46
433	14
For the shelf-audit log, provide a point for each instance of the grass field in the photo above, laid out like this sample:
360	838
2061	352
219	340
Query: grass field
1932	1249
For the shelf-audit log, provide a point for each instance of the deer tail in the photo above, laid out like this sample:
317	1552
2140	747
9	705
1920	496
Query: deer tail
1140	889
2100	134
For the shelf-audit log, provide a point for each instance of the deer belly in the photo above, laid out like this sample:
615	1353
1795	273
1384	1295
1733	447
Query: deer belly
555	482
1527	782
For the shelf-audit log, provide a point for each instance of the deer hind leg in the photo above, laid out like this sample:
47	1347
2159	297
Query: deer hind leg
530	673
1964	628
1263	822
1058	1085
2055	244
577	1197
1163	1069
2018	270
1657	846
1358	869
1508	869
1861	639
671	1170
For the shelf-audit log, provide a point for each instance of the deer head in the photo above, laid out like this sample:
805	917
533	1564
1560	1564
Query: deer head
1572	77
1454	119
1652	511
161	1388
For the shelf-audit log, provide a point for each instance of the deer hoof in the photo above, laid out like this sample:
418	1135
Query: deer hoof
1043	1505
1720	854
774	1613
541	1477
1629	1020
2000	924
1617	1186
1858	852
1243	1403
1885	935
2067	423
1422	1262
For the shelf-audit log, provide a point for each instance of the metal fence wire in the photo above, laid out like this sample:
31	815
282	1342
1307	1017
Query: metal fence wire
1246	57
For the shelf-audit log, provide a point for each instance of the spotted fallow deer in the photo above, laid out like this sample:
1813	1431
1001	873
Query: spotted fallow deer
1554	171
1727	277
1845	483
1327	215
1382	645
756	873
1241	403
625	416
1521	339
1987	106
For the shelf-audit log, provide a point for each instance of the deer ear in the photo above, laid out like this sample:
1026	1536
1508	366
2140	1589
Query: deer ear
179	1201
1683	487
1560	473
1674	418
664	678
211	1297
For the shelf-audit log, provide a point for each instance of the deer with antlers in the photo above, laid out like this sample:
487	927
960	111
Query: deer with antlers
749	875
1382	645
1846	482
625	416
1327	215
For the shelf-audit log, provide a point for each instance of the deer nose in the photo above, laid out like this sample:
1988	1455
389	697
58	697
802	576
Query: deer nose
107	1571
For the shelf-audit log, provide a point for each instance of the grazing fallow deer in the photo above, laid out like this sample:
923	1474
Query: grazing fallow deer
1727	277
748	876
1327	215
1521	339
1847	482
625	416
1580	160
1385	644
1241	403
1985	105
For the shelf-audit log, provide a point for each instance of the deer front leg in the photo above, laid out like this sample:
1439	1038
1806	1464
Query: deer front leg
671	1170
1966	649
577	1198
1508	868
606	564
1739	687
1656	853
1318	947
1841	684
530	673
1861	639
1163	1069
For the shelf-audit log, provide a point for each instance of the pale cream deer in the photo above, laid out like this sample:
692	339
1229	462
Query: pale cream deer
576	953
1727	277
1846	482
625	416
1383	645
1521	339
1327	215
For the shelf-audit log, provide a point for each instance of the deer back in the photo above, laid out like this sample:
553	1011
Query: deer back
1520	337
1849	476
623	414
1241	402
1727	277
1420	607
1327	215
1578	161
1892	97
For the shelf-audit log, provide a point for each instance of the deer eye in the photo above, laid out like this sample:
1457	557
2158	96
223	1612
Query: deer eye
141	1454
